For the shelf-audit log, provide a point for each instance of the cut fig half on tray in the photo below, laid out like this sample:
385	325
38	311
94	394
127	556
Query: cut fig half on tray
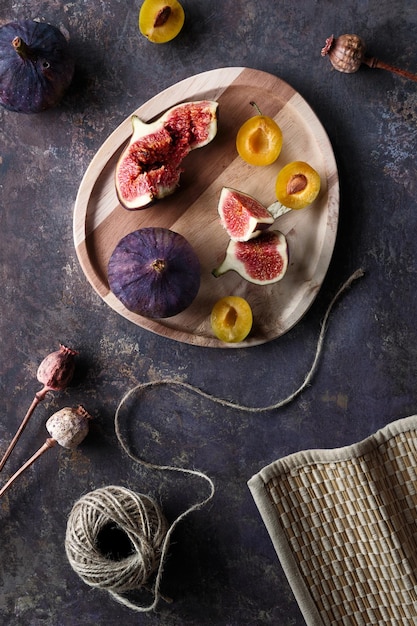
262	260
151	165
242	216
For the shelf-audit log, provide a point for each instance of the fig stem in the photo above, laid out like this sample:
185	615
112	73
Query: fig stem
39	396
49	443
159	265
373	62
276	209
21	47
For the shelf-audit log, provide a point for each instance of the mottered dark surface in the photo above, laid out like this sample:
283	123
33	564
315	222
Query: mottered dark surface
222	568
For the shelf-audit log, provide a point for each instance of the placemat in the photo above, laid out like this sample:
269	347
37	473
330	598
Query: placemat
344	525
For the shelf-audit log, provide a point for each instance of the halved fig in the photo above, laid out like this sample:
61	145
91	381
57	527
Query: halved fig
262	260
242	216
154	272
149	168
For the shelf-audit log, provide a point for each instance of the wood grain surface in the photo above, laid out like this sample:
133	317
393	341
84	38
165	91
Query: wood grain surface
100	222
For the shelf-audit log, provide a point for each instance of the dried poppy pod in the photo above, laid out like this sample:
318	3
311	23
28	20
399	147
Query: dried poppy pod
55	373
347	54
67	427
57	369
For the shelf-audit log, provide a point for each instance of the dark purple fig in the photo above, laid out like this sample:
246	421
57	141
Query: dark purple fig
36	66
262	260
154	272
149	167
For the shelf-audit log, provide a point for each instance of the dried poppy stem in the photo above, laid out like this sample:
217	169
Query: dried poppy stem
55	372
39	396
49	443
376	63
68	427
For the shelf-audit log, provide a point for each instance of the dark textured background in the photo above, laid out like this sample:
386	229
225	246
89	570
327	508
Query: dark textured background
222	569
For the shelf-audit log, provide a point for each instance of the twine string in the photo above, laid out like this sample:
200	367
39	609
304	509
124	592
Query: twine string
194	507
141	520
236	405
138	515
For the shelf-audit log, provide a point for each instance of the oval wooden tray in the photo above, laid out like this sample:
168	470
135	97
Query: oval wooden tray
100	222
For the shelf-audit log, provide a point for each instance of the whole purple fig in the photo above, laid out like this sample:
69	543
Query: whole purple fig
154	272
36	66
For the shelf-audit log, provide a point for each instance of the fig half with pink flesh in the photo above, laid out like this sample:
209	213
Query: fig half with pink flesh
262	260
241	215
150	167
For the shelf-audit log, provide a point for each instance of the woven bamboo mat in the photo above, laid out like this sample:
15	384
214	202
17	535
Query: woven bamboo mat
344	525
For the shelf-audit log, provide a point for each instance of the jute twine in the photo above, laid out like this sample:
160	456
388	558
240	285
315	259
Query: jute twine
241	407
141	519
138	515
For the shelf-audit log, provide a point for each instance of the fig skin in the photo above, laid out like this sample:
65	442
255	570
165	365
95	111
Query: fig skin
262	260
36	66
241	215
154	272
150	166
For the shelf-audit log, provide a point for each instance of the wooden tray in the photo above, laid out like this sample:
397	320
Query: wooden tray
100	222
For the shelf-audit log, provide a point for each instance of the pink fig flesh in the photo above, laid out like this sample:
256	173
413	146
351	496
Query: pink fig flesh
150	167
241	215
262	260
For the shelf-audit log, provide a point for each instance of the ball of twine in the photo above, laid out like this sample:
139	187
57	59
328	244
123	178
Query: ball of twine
136	515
